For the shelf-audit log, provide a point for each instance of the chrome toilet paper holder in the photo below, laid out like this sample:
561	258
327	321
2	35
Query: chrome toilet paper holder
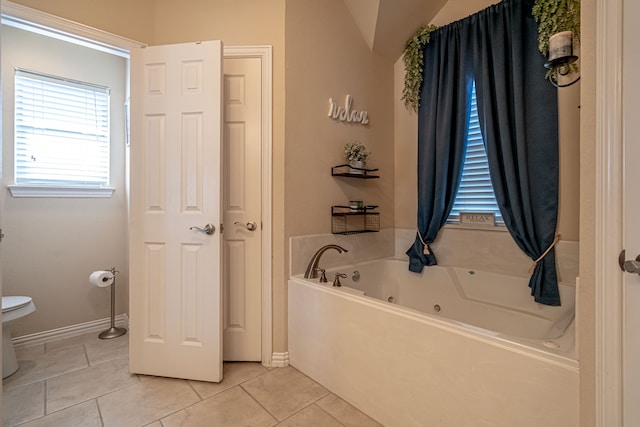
113	331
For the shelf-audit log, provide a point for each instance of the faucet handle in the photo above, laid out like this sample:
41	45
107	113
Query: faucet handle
336	280
323	275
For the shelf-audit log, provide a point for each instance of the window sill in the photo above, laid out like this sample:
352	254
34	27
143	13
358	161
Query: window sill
61	192
497	227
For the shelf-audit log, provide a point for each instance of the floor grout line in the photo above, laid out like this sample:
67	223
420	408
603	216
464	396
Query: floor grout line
99	412
45	394
245	376
202	399
323	410
278	421
195	391
89	399
184	407
86	356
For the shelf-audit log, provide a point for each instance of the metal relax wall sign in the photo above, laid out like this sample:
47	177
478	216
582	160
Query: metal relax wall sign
346	114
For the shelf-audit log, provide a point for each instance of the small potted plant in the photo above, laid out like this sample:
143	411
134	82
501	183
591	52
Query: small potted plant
356	154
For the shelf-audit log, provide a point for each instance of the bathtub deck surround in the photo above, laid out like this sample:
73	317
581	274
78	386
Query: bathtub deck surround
458	371
490	303
489	250
85	381
450	372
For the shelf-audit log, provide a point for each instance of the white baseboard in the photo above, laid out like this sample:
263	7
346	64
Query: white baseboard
280	360
121	320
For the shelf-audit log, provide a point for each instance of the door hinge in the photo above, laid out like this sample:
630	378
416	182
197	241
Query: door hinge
1	235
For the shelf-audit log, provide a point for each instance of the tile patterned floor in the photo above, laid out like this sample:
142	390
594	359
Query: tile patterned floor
84	381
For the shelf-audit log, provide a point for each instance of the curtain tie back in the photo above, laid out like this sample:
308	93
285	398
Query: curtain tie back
425	250
544	254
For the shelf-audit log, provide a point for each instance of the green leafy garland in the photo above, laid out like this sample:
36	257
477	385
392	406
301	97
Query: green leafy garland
554	16
413	57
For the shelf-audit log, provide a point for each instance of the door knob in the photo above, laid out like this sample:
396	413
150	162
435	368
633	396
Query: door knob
251	226
630	266
207	229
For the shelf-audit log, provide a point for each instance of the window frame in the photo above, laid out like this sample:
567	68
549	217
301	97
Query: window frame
23	189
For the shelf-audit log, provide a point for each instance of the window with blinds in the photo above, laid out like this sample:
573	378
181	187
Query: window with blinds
475	193
61	132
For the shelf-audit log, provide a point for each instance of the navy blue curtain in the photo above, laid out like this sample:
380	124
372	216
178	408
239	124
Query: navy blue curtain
518	114
442	128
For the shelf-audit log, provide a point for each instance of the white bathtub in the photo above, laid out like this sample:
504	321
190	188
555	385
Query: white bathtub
447	347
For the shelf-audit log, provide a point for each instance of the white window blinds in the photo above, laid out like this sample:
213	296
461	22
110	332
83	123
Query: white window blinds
475	193
61	132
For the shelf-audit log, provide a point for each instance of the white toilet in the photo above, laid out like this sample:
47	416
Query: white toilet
13	308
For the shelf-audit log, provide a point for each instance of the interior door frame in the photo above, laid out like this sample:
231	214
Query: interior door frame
51	25
609	214
264	53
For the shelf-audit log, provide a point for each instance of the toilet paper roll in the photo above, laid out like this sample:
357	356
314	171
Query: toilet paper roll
101	278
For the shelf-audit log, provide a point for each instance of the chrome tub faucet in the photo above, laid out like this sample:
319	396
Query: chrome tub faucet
312	268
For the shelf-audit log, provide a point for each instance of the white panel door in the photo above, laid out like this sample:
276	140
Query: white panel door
242	237
176	132
631	138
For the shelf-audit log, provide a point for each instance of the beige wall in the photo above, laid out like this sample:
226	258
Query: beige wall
406	134
246	22
131	19
327	57
262	23
168	22
53	244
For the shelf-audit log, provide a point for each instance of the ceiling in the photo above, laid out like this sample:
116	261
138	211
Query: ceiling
386	25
